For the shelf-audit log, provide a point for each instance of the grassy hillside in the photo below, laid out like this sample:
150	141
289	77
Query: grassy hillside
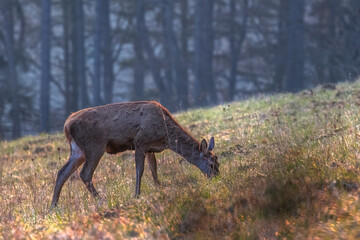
289	169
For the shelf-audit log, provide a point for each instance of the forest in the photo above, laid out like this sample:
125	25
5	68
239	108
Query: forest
265	131
59	56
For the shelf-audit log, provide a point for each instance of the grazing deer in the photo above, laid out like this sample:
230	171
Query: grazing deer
146	127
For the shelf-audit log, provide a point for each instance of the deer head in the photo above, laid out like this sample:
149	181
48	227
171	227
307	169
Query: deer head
208	163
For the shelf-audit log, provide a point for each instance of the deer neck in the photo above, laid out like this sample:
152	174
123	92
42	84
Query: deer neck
181	142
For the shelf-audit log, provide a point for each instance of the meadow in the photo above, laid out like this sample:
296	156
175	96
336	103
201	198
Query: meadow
289	169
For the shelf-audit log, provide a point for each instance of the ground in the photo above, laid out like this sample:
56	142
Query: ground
289	169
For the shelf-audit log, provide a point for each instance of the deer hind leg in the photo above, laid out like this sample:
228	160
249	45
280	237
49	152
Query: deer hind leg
139	163
92	158
75	160
153	167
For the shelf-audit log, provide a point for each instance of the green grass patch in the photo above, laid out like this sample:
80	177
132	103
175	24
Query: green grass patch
289	169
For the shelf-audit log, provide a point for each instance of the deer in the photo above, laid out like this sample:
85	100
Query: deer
145	126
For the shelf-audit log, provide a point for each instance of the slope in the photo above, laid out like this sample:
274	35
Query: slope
289	169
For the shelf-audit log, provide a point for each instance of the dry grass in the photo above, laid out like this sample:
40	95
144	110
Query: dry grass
289	170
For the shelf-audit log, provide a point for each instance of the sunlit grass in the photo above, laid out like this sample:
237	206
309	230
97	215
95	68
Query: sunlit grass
289	169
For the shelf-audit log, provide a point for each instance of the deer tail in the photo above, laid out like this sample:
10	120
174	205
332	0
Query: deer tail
67	132
73	145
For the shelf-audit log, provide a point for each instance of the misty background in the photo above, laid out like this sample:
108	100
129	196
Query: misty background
59	56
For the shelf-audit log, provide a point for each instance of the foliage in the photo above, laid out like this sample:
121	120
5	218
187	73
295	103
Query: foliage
289	169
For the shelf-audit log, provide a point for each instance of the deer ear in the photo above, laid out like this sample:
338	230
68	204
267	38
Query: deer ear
211	144
203	146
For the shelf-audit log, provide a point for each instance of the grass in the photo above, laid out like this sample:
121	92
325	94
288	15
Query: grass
289	170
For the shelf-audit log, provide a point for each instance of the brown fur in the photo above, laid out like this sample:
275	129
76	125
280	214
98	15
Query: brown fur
146	127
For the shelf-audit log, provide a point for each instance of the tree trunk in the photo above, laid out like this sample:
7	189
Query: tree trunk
153	62
139	73
167	28
65	9
333	61
107	47
80	53
281	62
204	90
200	88
184	95
184	29
45	65
74	80
295	46
97	53
236	41
12	76
174	58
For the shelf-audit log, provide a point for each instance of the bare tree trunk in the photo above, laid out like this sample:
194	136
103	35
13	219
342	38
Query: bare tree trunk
184	29
139	73
200	88
97	53
236	41
174	60
12	76
153	62
234	56
65	9
184	95
204	90
168	63
74	78
107	47
45	65
333	63
208	53
295	46
80	54
280	65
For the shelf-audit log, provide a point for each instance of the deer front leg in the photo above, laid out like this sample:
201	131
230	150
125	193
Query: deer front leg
139	162
153	167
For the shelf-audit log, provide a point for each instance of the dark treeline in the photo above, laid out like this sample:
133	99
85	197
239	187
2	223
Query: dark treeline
58	56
